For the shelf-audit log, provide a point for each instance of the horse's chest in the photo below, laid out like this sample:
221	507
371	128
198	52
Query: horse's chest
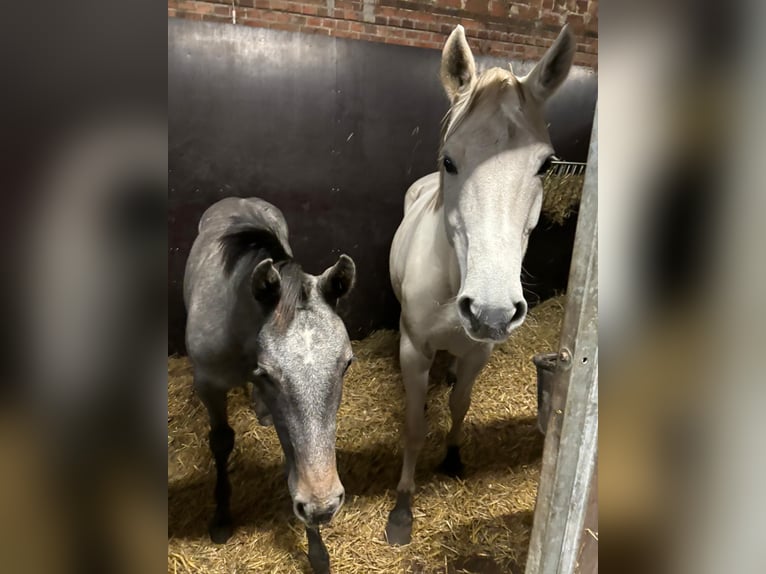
439	329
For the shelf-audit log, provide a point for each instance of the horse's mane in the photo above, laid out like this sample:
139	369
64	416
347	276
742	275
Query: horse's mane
248	242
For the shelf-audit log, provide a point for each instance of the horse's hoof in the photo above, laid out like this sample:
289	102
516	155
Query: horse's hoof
220	532
452	466
399	527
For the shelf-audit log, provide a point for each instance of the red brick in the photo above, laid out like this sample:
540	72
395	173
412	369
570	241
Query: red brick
386	11
577	23
188	15
498	8
216	18
194	7
476	6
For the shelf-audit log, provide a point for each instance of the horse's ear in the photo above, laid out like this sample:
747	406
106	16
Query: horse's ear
266	282
458	68
552	70
338	280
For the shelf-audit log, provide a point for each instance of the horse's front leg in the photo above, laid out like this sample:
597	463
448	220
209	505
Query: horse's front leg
221	440
415	368
319	559
468	368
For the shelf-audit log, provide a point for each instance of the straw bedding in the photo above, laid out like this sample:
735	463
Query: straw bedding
479	524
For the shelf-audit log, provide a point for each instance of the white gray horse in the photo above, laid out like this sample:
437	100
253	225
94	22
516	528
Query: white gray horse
254	315
456	258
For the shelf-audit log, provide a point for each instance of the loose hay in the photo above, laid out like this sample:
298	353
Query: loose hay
480	524
562	189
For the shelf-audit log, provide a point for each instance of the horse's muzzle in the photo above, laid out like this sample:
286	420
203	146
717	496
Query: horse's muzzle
315	513
489	323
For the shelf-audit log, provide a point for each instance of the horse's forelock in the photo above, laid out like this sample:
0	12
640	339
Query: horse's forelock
489	81
294	293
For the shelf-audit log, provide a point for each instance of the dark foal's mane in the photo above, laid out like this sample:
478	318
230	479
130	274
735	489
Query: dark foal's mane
249	243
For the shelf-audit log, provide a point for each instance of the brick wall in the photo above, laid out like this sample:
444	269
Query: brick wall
518	30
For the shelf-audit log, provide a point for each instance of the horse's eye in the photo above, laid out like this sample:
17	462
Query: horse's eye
545	168
261	374
351	360
449	165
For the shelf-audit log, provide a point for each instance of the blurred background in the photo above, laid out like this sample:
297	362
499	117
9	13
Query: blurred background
83	136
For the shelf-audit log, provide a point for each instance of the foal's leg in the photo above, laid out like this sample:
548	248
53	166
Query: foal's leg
415	368
221	439
452	371
319	559
468	368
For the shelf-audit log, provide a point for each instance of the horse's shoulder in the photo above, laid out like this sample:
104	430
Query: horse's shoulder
426	187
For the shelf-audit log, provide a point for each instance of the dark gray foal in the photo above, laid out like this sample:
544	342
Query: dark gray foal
254	315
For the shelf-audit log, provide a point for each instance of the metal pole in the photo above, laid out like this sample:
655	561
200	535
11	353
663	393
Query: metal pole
571	440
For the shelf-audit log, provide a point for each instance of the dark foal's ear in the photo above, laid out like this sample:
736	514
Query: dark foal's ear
338	280
266	282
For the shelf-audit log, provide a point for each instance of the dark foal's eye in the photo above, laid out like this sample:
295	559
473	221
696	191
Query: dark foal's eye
261	374
449	165
546	167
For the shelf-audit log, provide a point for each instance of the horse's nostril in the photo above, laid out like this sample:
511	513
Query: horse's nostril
520	311
464	305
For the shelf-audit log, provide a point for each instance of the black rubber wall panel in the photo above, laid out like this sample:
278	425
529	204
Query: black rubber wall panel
331	131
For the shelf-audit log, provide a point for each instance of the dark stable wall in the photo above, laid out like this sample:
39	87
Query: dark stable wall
332	132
